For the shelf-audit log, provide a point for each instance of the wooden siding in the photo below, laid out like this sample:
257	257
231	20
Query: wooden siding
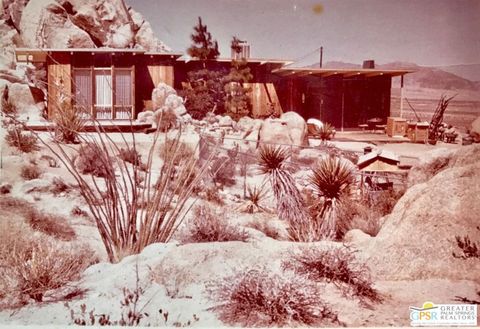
59	81
161	73
264	99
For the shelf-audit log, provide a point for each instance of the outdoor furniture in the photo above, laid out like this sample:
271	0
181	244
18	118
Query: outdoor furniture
363	126
373	122
381	128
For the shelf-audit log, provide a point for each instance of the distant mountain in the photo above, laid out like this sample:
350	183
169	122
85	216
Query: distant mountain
431	77
467	71
425	77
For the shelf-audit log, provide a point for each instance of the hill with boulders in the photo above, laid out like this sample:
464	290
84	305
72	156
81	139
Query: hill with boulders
418	239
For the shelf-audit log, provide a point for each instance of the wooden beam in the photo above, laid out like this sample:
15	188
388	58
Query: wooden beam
373	74
352	74
326	74
284	72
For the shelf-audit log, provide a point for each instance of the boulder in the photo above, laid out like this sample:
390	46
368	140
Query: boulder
225	121
475	130
13	11
289	129
46	24
145	38
173	101
297	127
145	117
21	96
160	94
418	239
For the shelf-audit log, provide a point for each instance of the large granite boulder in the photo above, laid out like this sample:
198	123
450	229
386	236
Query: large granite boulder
289	129
418	239
160	94
46	24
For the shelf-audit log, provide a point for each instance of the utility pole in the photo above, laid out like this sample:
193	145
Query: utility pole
321	56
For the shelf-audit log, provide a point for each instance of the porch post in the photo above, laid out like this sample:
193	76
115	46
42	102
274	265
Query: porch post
401	96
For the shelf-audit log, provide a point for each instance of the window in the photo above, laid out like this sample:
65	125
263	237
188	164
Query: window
107	93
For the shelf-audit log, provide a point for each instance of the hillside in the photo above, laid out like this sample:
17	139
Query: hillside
423	77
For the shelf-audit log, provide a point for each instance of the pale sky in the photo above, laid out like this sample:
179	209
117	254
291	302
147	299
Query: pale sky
426	32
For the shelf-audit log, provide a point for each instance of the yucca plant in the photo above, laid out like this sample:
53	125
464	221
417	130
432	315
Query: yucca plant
331	180
326	132
253	198
290	205
69	121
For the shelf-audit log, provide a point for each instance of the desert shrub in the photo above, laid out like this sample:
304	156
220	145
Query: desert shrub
260	298
52	225
206	226
43	266
26	143
326	132
8	108
30	172
167	120
69	121
265	228
211	194
77	211
94	160
469	249
331	180
59	186
176	151
5	188
290	204
130	155
253	198
338	266
222	171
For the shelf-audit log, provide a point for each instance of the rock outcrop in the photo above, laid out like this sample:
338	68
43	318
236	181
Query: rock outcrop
418	239
289	129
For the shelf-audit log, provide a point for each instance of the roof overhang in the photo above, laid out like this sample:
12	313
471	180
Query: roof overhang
41	54
345	73
259	61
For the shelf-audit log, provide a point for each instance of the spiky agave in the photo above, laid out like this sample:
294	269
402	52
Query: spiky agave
332	179
290	204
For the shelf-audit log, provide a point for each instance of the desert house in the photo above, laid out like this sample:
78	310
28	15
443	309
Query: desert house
116	84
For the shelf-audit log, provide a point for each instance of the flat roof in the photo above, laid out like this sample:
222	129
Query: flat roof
319	72
40	54
249	60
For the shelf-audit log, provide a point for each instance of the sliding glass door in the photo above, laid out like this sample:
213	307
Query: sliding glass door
106	93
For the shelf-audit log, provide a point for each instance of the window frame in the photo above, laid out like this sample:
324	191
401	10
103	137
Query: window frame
112	69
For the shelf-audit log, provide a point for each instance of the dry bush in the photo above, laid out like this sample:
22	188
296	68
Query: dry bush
206	226
338	266
222	171
94	160
176	150
43	266
58	186
8	108
166	120
69	122
211	194
260	298
265	228
26	143
30	171
77	211
52	225
32	266
130	155
469	249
